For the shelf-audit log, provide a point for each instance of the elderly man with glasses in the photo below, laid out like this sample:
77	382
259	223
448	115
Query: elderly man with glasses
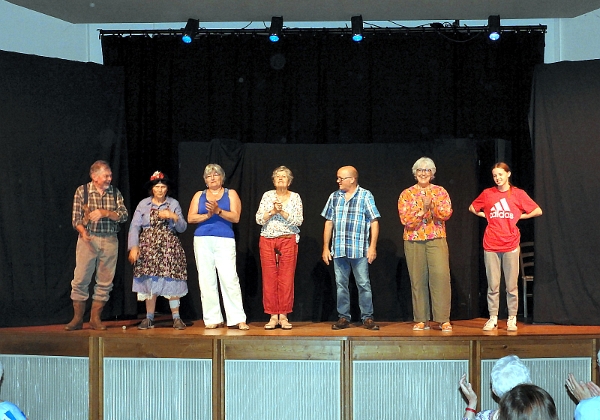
352	229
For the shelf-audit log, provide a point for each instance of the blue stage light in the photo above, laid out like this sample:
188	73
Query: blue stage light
494	28
357	28
276	28
190	30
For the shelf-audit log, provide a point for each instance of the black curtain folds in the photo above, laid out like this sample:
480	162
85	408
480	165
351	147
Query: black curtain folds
565	123
58	117
320	88
416	93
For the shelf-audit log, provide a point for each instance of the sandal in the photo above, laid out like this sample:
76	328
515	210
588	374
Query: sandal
272	324
243	326
446	327
285	324
420	326
213	326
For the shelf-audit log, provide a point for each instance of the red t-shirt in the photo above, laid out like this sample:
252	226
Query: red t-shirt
502	211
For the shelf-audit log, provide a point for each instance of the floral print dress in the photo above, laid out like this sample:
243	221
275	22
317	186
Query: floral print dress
161	268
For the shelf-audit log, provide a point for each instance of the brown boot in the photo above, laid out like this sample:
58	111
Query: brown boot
77	321
95	322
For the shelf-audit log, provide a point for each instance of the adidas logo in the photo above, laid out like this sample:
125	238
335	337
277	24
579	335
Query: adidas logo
501	210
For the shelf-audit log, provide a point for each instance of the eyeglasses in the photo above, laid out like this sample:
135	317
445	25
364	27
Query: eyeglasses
427	171
213	176
338	179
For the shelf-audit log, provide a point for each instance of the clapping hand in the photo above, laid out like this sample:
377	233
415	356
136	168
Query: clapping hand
468	392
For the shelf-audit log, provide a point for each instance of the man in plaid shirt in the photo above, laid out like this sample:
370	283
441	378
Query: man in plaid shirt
98	208
352	220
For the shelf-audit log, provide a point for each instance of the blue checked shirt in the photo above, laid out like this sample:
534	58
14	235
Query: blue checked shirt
351	222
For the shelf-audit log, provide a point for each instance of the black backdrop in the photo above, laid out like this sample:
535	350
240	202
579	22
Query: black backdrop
566	130
384	169
57	117
320	88
417	92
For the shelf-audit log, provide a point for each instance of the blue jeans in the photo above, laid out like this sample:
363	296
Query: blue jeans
360	268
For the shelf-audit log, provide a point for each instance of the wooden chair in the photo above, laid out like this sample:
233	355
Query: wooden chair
526	260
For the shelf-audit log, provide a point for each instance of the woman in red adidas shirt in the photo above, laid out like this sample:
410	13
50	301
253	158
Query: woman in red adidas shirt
503	206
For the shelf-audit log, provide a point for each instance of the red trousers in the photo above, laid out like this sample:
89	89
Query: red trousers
278	258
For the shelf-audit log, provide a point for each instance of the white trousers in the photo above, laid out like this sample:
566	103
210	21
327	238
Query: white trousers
216	255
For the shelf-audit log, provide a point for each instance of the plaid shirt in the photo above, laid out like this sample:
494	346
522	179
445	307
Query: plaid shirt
351	222
104	226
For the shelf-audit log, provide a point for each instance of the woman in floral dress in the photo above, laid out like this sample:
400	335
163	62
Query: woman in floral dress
159	263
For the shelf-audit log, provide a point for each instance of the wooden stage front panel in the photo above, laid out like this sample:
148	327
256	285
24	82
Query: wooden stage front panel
359	356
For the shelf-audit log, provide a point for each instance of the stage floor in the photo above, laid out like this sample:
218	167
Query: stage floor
464	329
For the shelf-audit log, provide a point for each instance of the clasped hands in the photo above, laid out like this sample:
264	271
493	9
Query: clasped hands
213	208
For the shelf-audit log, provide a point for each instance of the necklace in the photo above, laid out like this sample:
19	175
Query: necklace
215	193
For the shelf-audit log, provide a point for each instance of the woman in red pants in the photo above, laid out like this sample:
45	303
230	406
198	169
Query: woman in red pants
280	215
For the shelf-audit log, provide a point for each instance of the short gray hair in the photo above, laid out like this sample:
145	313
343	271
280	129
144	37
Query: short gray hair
285	169
1	371
214	167
424	161
507	373
98	166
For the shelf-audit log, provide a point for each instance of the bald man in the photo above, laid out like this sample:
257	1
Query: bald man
352	229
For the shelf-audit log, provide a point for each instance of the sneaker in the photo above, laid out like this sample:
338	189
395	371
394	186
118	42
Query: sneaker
178	324
341	324
370	324
511	324
491	324
146	324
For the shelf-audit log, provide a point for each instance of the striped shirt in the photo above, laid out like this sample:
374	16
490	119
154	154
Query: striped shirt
351	222
104	226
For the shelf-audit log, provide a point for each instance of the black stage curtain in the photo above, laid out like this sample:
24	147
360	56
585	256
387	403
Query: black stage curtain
384	169
320	88
58	117
566	130
410	90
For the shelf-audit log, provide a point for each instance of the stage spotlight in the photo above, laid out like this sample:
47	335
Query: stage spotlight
494	28
357	28
190	30
275	29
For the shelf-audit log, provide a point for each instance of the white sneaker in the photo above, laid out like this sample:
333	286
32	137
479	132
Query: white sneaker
511	324
491	324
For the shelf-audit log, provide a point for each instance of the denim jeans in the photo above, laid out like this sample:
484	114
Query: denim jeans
360	268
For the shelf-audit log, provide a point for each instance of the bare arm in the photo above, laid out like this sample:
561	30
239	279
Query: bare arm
535	213
470	395
475	212
327	232
193	215
372	252
235	208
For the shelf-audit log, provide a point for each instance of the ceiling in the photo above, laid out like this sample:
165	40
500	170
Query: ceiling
154	11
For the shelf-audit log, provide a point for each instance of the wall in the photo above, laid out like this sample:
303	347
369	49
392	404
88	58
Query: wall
52	37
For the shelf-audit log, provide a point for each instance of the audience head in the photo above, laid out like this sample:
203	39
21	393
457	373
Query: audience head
507	373
527	402
1	371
